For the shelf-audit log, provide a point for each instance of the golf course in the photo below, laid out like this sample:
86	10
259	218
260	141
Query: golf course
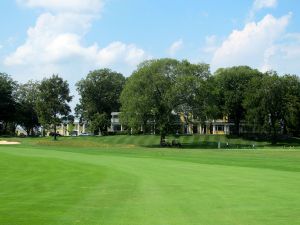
129	180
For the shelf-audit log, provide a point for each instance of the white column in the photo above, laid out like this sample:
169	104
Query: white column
214	129
68	133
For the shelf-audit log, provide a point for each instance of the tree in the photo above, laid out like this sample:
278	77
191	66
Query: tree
26	108
52	101
265	104
159	90
99	93
99	123
7	100
291	84
195	91
147	95
232	84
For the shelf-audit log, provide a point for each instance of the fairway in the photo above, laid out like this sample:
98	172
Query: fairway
45	182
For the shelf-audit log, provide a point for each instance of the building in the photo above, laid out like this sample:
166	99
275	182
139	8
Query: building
220	126
115	124
70	129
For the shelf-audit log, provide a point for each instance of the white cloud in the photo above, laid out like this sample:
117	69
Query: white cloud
55	42
65	5
118	52
286	54
175	47
56	45
260	4
54	37
254	45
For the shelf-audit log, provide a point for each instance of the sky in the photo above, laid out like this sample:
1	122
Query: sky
39	38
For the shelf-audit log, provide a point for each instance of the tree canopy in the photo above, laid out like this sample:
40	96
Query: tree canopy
158	90
161	96
27	95
7	100
99	92
52	101
272	104
231	85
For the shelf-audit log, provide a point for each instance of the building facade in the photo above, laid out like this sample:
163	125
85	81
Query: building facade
220	126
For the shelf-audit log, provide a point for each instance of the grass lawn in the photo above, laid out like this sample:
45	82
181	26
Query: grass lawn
127	180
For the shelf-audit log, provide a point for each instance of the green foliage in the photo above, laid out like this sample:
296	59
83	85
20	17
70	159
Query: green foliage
272	104
148	95
194	88
158	96
99	123
99	93
7	101
26	109
52	101
291	104
232	84
159	89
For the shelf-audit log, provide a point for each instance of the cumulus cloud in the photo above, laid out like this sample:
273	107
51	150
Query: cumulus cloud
118	52
175	47
254	45
56	39
55	42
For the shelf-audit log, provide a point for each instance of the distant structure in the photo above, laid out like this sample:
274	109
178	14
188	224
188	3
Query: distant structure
187	126
220	126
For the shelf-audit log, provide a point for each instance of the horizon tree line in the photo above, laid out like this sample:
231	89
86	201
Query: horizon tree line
266	103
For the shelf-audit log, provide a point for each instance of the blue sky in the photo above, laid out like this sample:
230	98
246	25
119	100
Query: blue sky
71	37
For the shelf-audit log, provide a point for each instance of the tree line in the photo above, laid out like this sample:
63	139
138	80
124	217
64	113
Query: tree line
265	104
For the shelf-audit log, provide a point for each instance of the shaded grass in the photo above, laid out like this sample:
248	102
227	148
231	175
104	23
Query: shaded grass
189	141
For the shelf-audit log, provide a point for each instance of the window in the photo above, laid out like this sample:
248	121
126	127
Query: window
220	128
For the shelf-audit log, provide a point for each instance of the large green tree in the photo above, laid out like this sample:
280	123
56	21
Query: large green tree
264	104
231	85
99	93
160	89
27	116
7	101
195	92
272	104
52	101
291	84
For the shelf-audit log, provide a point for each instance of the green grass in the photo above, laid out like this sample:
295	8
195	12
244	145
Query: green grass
126	180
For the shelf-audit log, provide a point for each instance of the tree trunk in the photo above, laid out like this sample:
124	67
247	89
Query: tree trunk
5	127
28	131
144	127
162	139
55	132
237	127
274	135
